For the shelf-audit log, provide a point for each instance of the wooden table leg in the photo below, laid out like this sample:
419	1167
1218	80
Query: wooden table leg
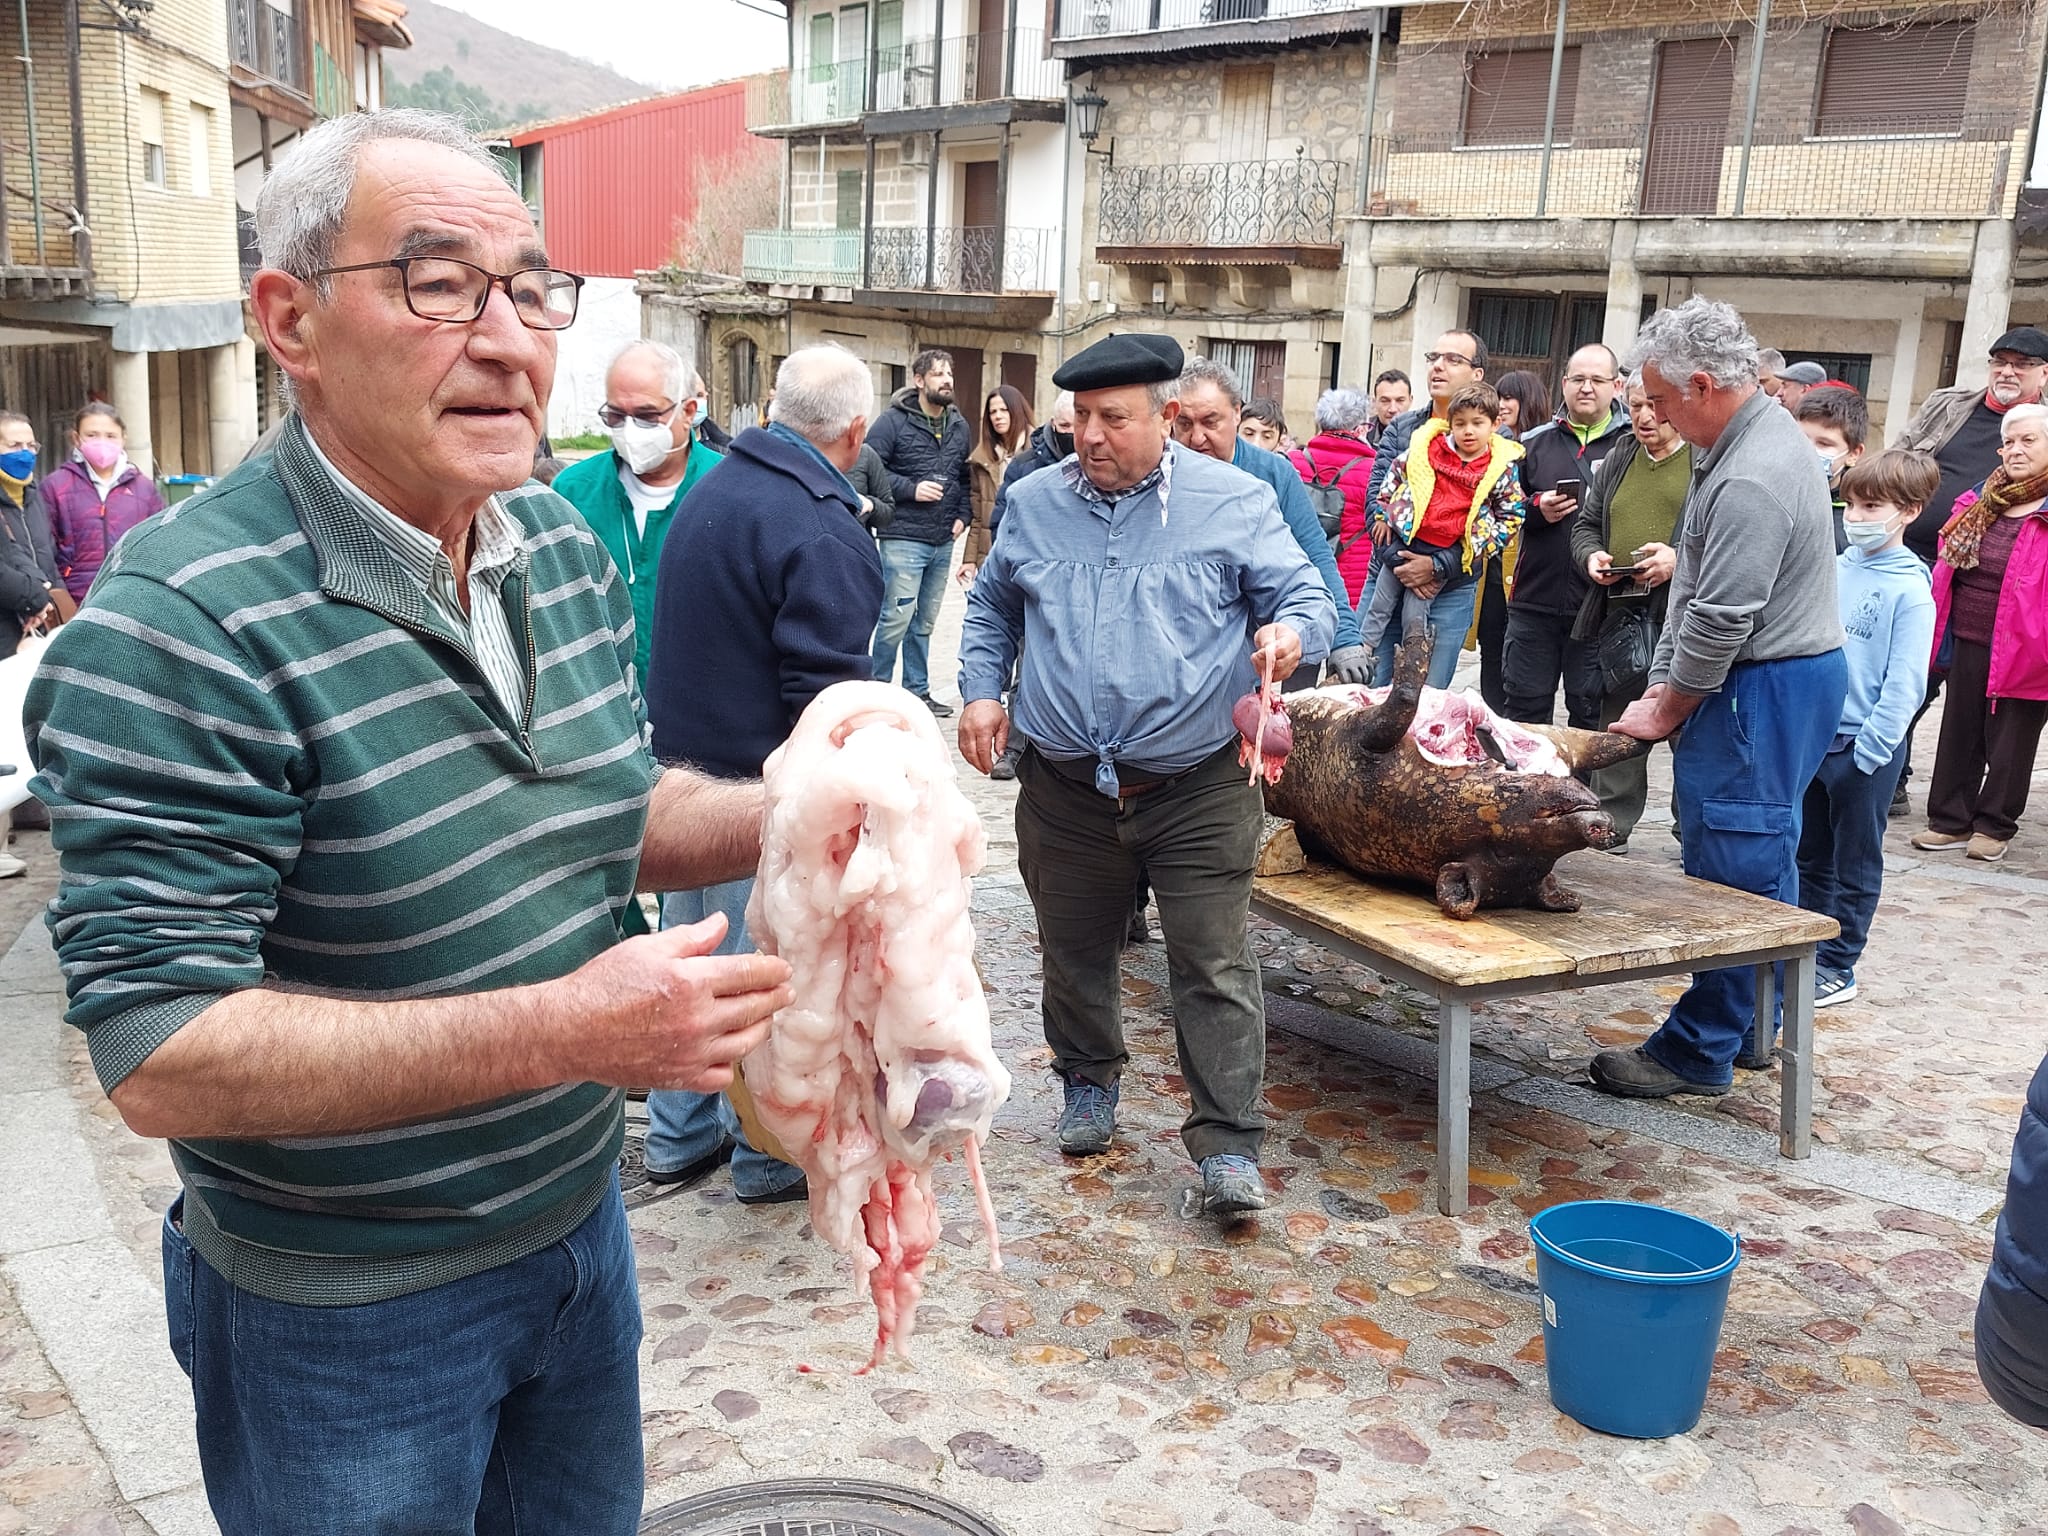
1795	1058
1762	1025
1453	1104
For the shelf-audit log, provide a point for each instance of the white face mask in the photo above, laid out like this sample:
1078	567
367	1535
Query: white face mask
642	446
1869	537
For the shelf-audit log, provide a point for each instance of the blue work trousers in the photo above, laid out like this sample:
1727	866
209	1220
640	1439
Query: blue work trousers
1841	850
683	1126
1739	775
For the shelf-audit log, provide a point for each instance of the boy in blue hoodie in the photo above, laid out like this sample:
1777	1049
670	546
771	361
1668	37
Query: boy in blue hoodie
1888	614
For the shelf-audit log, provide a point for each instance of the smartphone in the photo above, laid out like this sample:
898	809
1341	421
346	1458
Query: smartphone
1576	489
1625	570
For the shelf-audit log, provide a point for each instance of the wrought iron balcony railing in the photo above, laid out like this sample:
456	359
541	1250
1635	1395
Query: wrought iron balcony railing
1113	18
970	259
817	258
1257	203
975	66
1893	167
264	40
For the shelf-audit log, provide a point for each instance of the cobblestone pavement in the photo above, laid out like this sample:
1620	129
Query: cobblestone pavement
1350	1363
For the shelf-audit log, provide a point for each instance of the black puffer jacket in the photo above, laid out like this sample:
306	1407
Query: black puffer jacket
28	565
912	451
1546	578
2012	1310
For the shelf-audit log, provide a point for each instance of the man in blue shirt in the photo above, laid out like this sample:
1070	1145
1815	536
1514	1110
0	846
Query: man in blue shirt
1211	411
1140	580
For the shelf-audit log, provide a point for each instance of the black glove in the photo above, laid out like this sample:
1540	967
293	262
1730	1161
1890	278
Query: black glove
1351	665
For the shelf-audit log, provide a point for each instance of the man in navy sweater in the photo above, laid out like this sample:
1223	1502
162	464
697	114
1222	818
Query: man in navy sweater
766	595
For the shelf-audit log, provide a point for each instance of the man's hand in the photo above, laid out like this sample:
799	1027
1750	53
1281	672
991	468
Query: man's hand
1659	712
930	490
1600	566
965	575
958	527
867	506
47	616
1285	645
1657	562
1352	664
1416	572
661	1011
1556	506
984	734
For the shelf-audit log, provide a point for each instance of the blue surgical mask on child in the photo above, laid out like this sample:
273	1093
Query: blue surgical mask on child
1869	537
18	463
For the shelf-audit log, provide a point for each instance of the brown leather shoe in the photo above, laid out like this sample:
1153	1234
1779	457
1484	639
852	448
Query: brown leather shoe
1986	850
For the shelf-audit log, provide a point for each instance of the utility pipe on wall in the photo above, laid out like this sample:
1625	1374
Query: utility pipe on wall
1756	88
1550	110
1372	101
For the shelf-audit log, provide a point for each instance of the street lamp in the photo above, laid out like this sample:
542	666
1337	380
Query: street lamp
1088	115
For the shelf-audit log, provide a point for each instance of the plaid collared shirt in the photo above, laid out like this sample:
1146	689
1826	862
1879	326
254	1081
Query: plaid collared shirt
494	553
1088	490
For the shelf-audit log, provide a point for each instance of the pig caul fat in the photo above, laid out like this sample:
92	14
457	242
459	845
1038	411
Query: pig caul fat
883	1065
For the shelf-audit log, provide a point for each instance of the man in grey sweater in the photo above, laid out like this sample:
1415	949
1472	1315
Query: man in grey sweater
1750	664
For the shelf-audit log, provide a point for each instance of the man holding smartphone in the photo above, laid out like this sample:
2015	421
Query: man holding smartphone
1549	585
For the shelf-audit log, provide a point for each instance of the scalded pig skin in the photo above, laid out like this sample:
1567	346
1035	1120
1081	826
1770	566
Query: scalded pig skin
883	1064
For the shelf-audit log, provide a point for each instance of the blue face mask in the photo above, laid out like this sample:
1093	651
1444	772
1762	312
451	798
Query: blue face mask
18	463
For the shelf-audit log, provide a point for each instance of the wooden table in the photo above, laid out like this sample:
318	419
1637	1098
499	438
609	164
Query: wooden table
1638	921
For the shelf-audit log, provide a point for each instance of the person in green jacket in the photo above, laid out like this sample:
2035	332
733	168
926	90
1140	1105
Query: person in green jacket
629	494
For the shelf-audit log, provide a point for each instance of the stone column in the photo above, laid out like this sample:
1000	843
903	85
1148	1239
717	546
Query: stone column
1985	317
231	403
1898	409
1361	295
1436	311
129	380
1624	290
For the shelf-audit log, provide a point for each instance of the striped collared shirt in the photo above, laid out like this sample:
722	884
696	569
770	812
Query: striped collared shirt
494	551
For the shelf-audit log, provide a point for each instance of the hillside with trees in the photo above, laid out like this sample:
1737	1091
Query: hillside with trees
460	64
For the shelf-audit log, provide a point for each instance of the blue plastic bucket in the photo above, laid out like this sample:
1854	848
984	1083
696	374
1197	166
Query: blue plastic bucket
1633	1296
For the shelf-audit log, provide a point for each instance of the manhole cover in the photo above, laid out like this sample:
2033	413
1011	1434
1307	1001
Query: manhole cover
816	1506
633	1167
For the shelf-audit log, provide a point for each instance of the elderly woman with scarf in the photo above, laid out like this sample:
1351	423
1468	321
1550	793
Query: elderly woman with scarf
1991	633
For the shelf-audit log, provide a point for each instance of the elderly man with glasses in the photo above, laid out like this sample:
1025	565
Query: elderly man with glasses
351	784
1563	455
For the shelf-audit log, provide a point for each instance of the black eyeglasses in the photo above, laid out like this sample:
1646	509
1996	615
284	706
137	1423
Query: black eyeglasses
1455	359
612	416
455	292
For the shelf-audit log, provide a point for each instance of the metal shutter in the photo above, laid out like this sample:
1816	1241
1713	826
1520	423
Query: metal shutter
1688	126
1505	96
1894	79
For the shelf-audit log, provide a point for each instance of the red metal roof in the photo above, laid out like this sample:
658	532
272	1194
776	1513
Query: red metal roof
618	183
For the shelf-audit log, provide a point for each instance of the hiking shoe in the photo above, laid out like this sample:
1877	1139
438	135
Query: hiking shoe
1635	1074
1231	1186
797	1189
1986	850
1930	841
1832	987
1901	806
1005	767
932	704
694	1172
1089	1120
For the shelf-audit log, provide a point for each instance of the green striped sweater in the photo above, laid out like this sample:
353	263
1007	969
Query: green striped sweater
268	763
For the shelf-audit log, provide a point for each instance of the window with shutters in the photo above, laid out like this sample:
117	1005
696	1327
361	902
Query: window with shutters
1882	81
1247	110
1506	95
1260	366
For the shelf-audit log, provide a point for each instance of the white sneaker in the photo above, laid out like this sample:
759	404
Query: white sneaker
10	866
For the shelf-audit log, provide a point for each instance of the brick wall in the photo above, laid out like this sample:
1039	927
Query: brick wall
53	127
157	245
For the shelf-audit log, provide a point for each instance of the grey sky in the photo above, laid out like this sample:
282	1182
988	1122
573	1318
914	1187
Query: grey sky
671	43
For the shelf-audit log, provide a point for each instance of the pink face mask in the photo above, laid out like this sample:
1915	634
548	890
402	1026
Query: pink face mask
102	453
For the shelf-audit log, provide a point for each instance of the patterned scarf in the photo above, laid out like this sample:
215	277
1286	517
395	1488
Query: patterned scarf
1965	531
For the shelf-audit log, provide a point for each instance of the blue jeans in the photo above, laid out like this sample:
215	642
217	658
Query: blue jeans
683	1126
1841	850
1739	775
1450	616
914	583
506	1402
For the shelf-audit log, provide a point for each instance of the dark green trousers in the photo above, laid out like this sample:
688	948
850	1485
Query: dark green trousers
1082	856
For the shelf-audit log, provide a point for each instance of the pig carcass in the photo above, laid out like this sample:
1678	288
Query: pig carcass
883	1065
1419	784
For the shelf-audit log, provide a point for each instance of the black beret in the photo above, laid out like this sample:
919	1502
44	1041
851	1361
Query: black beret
1118	360
2027	340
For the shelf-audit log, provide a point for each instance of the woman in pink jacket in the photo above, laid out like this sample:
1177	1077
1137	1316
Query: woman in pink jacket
1338	455
95	497
1991	611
